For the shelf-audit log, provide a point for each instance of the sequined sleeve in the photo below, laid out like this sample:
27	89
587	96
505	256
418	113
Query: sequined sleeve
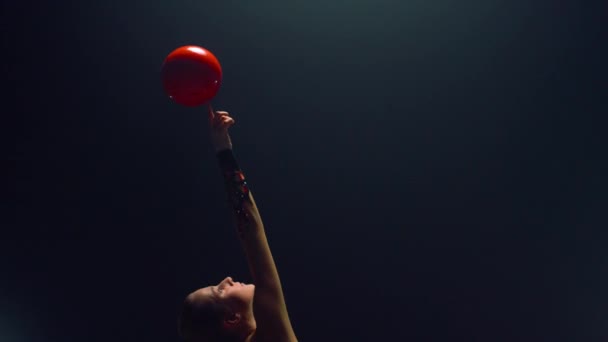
236	187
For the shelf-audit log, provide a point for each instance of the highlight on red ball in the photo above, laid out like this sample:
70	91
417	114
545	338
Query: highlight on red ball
191	75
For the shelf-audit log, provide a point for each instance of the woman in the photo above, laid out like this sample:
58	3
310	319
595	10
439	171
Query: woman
232	311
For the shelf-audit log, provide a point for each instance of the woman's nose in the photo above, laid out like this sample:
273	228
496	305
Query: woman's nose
228	280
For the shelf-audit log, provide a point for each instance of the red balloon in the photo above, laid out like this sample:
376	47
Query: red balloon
191	75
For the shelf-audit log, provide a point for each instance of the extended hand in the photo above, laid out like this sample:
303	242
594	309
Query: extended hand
219	122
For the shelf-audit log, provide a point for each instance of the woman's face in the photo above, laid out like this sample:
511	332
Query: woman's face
231	292
233	296
237	296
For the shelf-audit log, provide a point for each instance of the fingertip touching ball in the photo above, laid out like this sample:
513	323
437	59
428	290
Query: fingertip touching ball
191	75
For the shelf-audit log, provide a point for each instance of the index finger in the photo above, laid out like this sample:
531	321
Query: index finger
211	113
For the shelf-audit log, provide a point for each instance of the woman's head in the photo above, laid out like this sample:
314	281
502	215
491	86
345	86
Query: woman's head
223	312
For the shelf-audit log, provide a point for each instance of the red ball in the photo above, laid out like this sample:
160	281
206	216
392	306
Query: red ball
191	75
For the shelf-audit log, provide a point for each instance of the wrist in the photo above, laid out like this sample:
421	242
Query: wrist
221	142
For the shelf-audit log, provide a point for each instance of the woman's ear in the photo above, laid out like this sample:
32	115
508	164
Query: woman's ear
232	319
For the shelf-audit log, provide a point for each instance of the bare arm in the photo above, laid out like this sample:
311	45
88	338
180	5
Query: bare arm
269	303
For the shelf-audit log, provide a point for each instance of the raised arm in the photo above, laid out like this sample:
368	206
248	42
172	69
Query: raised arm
270	310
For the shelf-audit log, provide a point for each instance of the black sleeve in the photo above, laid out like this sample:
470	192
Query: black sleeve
227	161
236	187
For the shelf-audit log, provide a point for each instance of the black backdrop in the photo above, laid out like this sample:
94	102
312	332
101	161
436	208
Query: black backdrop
426	171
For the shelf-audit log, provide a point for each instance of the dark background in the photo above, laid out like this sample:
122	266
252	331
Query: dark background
426	170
